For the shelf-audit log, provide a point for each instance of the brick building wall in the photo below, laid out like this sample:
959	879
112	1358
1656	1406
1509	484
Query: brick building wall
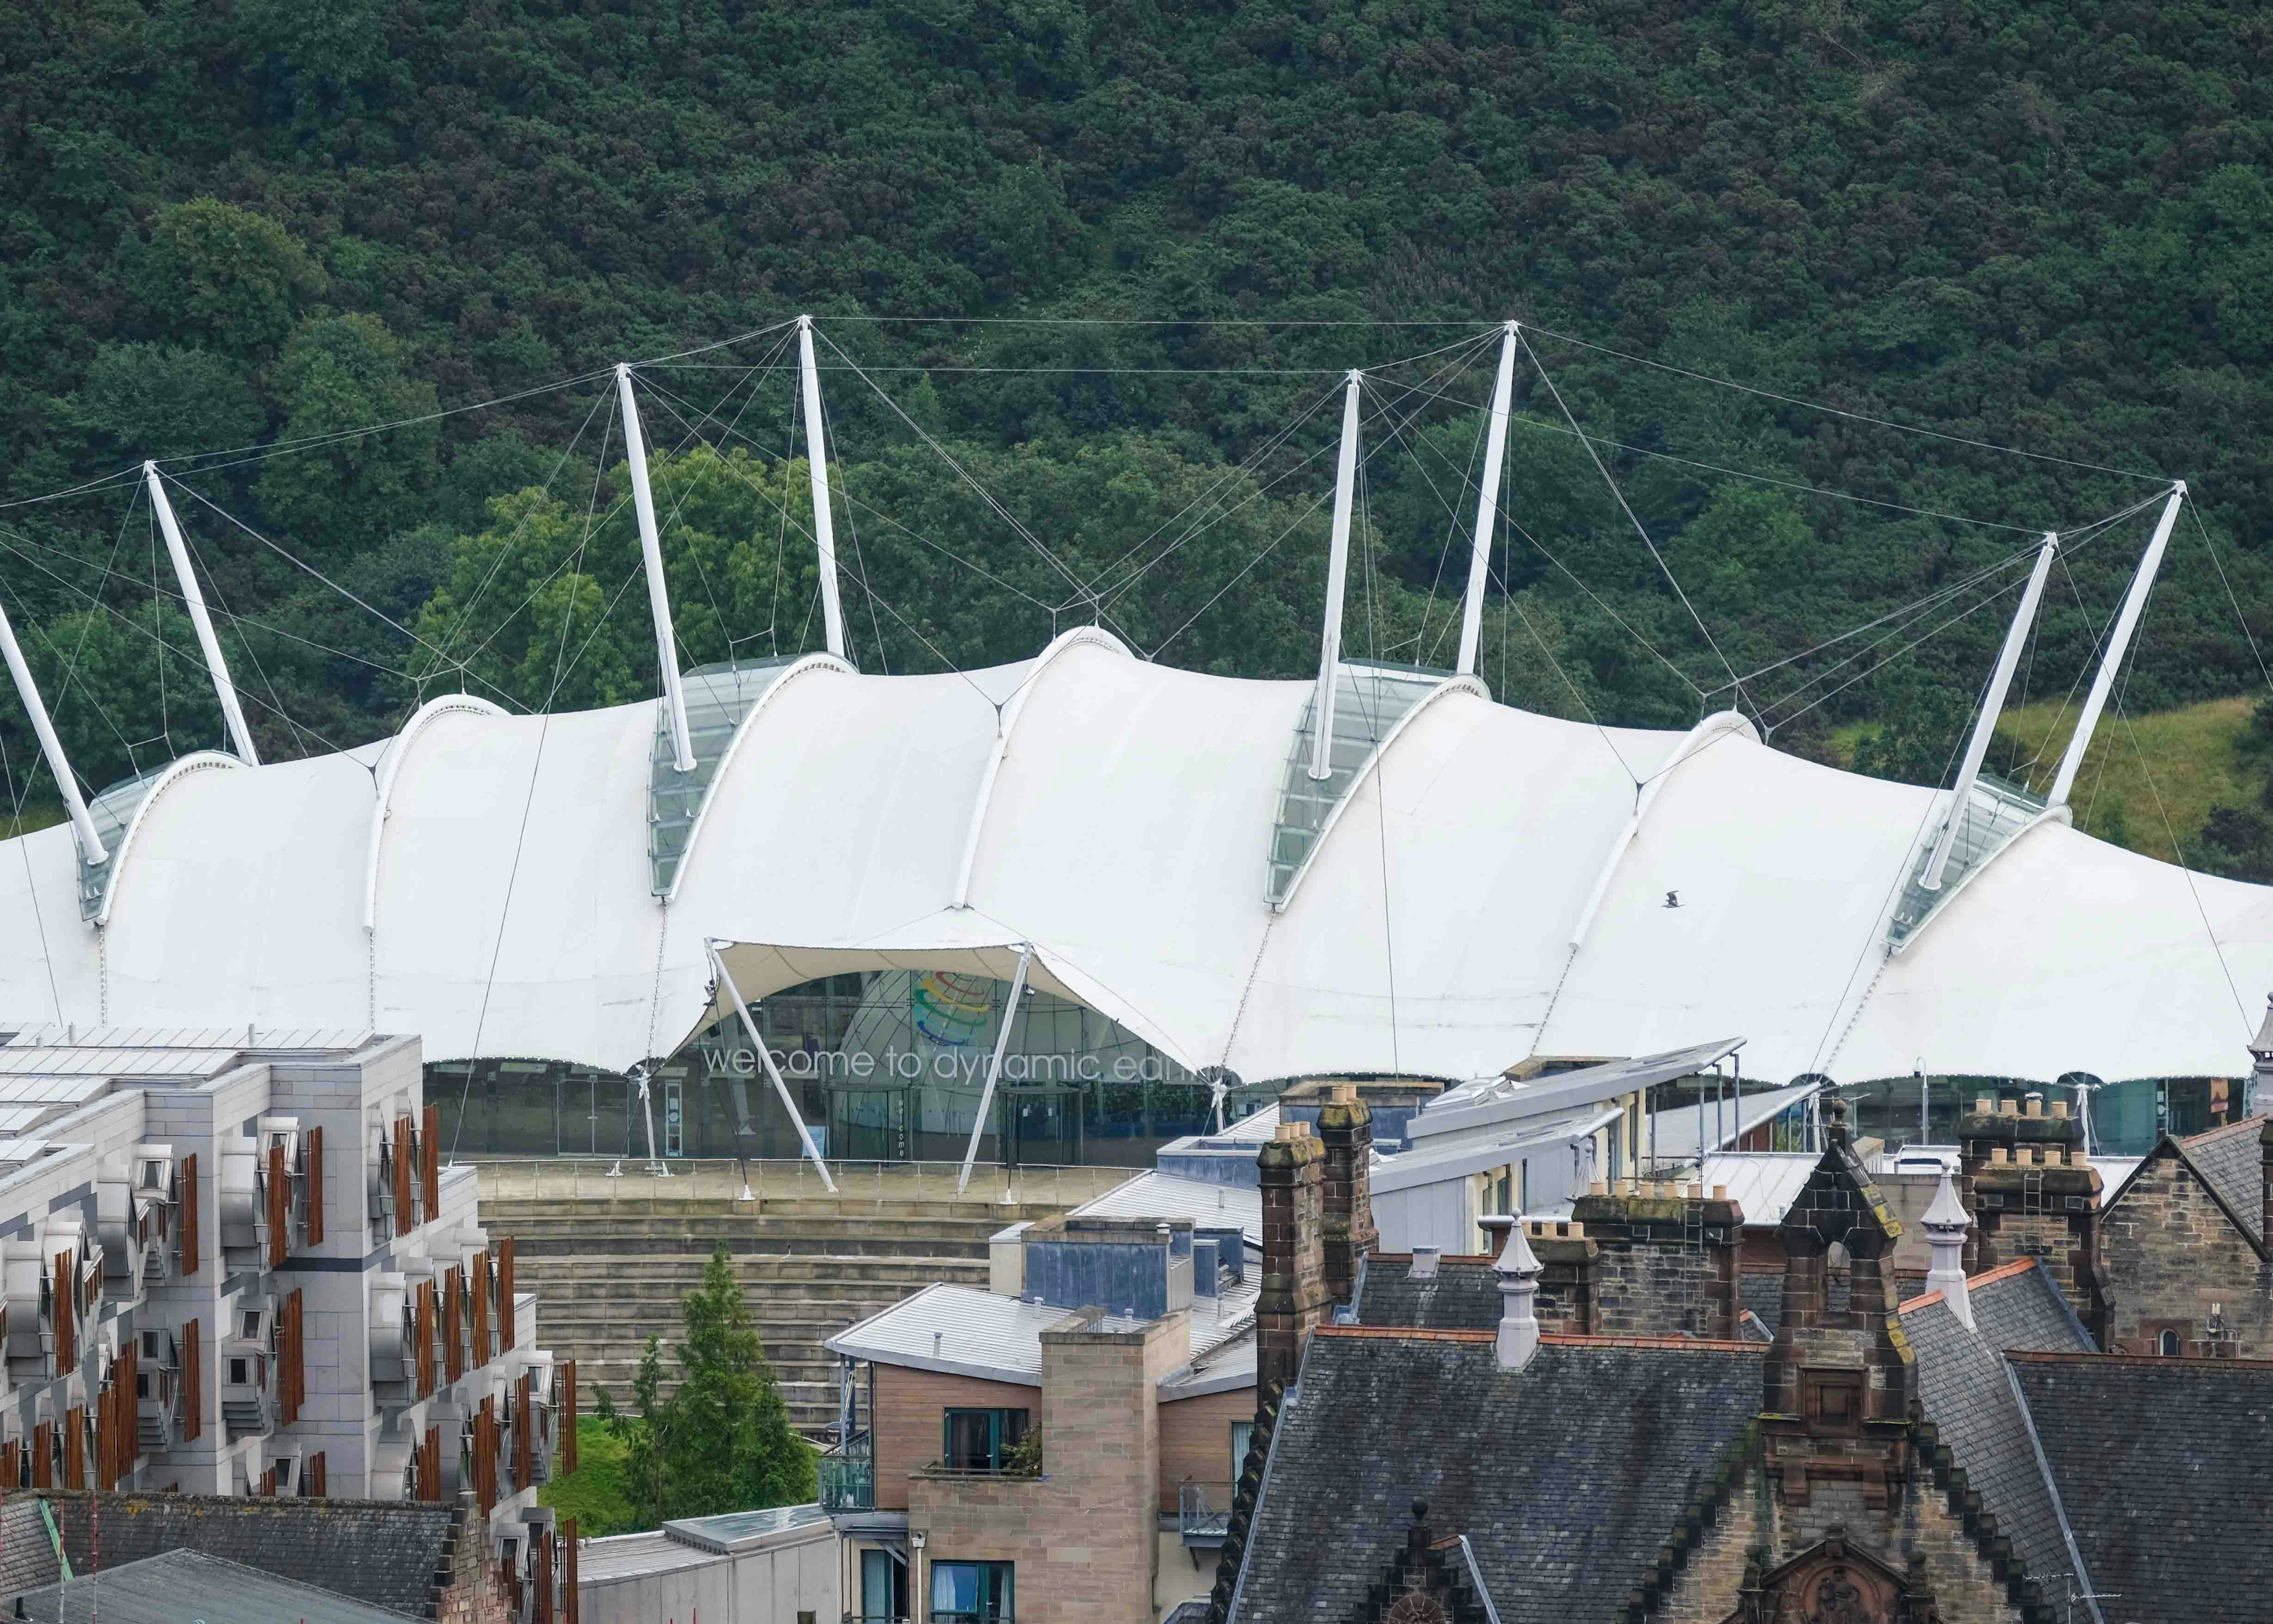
1083	1534
2172	1255
1705	1590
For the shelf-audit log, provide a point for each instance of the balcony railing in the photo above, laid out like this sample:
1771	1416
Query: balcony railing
848	1477
1199	1523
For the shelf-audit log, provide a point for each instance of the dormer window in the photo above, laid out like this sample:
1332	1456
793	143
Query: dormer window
2169	1343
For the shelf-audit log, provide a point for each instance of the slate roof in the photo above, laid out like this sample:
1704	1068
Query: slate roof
1763	1294
2159	1463
28	1556
1967	1395
181	1585
1565	1475
2231	1162
1464	1297
386	1552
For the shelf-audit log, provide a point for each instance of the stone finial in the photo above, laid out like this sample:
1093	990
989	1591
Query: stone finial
1518	1270
1834	1120
1946	1222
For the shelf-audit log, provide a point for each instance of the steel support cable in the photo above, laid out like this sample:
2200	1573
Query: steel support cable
1384	411
871	509
1083	589
1378	413
1508	602
1225	478
259	670
1687	680
1884	423
139	630
1664	568
946	664
1923	606
465	614
109	570
1540	427
15	797
828	437
2239	618
301	564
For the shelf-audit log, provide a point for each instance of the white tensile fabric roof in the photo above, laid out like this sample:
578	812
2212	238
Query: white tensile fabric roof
1118	815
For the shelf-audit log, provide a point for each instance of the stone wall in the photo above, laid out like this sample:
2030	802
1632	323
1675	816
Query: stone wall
2033	1194
1290	1170
2172	1255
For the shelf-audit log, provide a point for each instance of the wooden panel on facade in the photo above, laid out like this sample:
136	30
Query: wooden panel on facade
315	1187
63	1313
505	1295
524	1433
477	1298
542	1552
292	1378
425	1332
454	1324
568	1415
75	1448
1195	1445
485	1455
193	1383
312	1481
570	1613
430	1172
910	1424
279	1208
405	1198
189	1215
43	1455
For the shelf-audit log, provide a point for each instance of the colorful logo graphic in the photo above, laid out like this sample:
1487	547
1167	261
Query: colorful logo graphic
951	1010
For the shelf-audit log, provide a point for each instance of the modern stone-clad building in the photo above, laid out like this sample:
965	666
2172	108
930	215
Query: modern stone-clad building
236	1265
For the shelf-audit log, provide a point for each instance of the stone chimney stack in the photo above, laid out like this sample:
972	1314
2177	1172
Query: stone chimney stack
2032	1191
2265	1172
1946	1222
1519	1273
1346	1130
1293	1292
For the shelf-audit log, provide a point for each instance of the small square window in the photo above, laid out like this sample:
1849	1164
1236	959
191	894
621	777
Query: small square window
240	1372
251	1323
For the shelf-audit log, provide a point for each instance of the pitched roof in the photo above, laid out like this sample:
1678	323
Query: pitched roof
2159	1464
1464	1297
386	1552
1966	1394
969	1331
27	1557
1565	1475
177	1585
1165	1195
2231	1161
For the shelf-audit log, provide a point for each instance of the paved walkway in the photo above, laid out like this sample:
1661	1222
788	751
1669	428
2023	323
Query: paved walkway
902	1185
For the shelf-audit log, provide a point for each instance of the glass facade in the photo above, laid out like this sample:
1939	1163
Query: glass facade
884	1066
2125	1118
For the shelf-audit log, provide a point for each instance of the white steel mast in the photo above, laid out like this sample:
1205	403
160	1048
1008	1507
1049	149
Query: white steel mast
2118	642
240	736
1330	646
90	844
1471	605
824	528
1992	703
658	594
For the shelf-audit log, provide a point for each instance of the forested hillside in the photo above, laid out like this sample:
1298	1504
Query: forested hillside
238	228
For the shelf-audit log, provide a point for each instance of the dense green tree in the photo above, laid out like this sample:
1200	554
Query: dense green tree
722	1441
345	491
227	276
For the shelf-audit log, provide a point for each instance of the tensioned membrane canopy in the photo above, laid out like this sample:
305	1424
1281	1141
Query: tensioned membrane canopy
1491	886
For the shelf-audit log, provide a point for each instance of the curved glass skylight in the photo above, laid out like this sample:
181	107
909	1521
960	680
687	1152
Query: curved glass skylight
1997	811
112	811
718	698
1370	698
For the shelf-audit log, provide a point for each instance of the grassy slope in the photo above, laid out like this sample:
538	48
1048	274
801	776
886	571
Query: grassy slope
2174	764
32	817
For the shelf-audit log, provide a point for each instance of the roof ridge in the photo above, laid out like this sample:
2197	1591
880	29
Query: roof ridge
1388	1332
1446	1257
1566	1339
2143	1360
1927	1301
2003	1271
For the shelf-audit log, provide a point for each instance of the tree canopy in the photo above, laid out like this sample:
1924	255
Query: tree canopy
246	231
